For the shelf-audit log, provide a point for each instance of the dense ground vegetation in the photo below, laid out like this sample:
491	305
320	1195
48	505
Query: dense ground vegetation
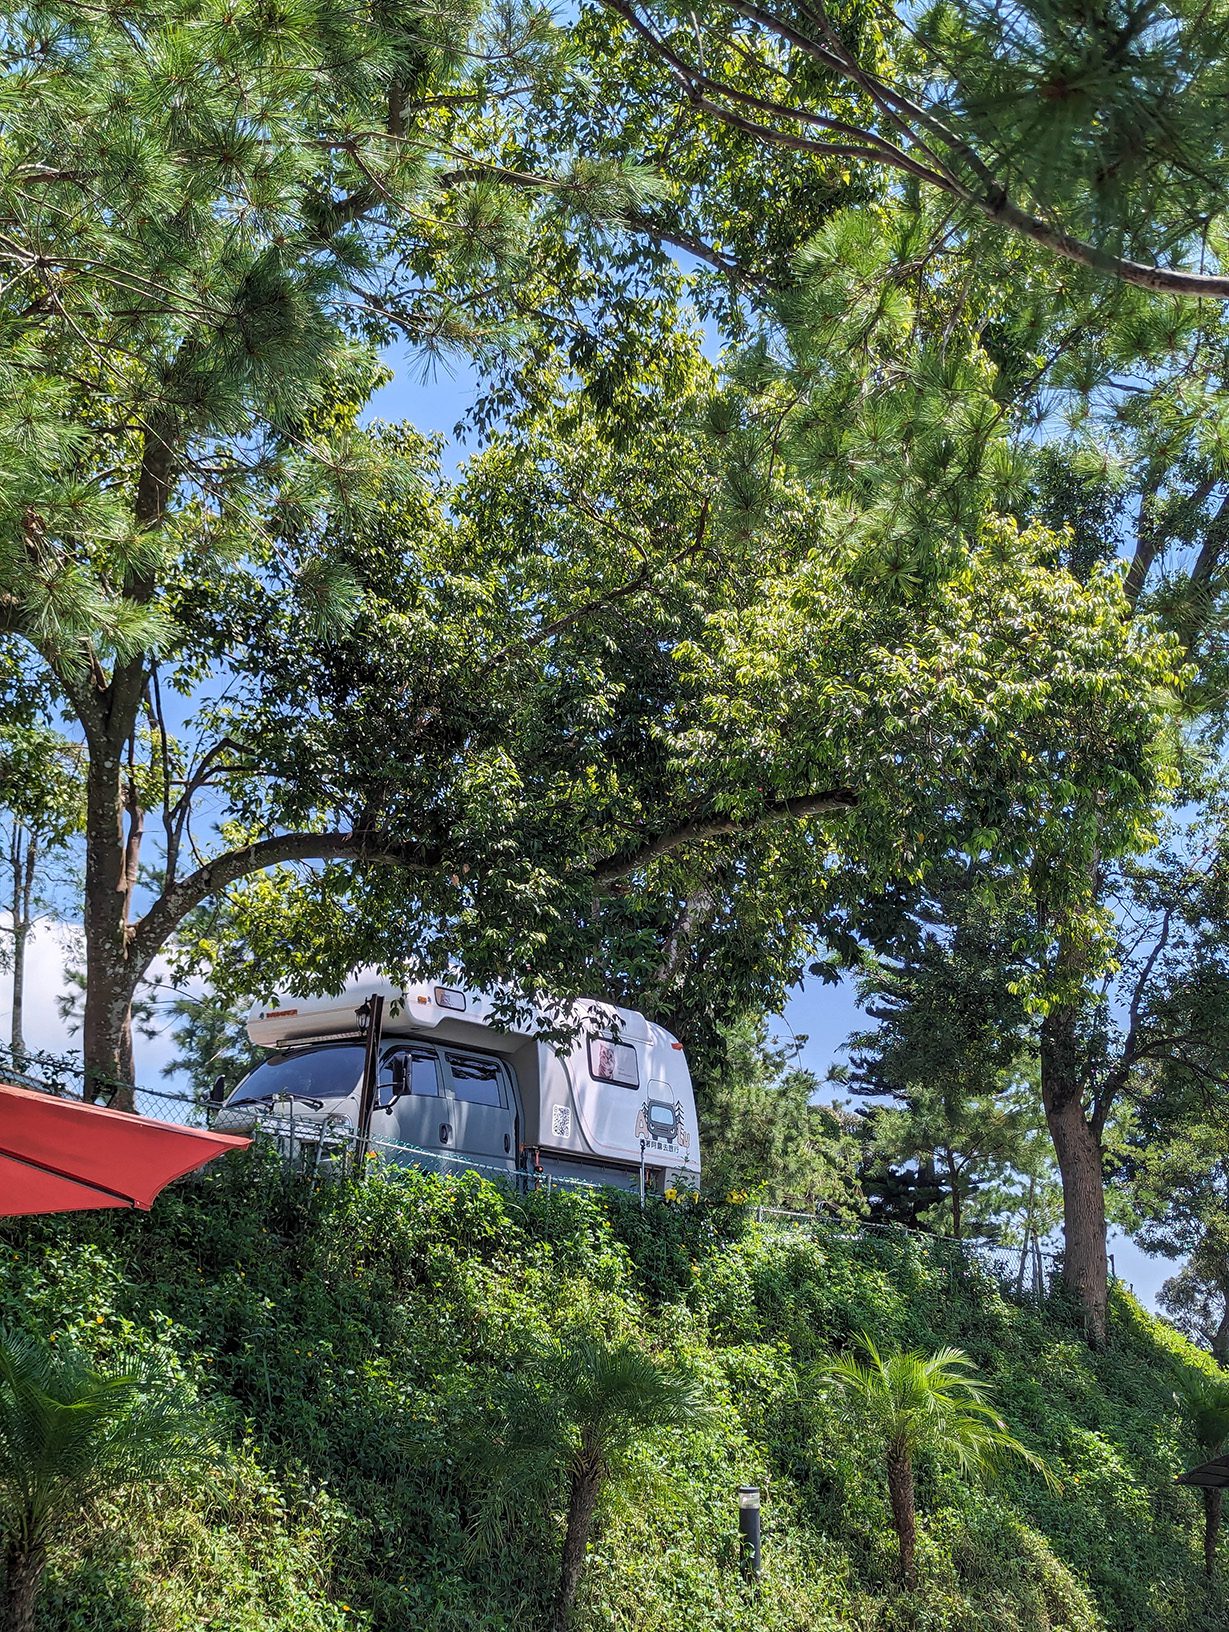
350	1344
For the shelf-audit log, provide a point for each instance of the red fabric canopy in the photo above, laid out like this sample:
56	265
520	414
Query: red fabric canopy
60	1155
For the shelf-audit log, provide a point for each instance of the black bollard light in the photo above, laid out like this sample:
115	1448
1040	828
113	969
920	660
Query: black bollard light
749	1530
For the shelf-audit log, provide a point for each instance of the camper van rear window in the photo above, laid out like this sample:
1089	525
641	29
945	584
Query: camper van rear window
448	999
613	1062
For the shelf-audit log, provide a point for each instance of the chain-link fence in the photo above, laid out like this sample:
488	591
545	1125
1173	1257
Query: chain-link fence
305	1143
1026	1270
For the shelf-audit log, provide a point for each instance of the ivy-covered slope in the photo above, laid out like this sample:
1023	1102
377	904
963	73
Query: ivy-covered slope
348	1341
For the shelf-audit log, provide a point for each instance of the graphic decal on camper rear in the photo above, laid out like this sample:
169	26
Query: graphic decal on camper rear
661	1126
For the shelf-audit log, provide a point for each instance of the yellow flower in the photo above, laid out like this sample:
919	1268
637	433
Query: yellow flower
672	1195
98	1319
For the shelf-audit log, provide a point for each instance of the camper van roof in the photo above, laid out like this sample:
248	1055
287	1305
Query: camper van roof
414	1008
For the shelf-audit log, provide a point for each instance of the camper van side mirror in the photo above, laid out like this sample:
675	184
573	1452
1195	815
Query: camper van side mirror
218	1091
401	1074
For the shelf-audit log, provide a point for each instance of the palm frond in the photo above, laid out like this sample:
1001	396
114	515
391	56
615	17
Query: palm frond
936	1401
1204	1401
70	1432
586	1398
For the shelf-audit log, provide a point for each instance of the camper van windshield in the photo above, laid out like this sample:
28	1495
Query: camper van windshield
306	1073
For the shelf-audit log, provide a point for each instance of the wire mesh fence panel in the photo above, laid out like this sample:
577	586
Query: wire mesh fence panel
185	1109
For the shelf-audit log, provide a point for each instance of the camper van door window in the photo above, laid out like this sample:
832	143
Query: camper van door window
424	1075
475	1080
409	1071
613	1062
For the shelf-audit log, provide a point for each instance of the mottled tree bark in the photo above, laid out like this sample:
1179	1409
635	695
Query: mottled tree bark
904	1510
1078	1153
111	974
24	861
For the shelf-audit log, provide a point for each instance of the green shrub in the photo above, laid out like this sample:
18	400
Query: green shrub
345	1340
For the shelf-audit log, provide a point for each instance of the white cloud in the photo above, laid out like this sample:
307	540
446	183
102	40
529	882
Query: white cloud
51	948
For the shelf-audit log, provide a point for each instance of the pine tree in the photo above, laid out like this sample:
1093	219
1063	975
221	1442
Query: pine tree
1089	131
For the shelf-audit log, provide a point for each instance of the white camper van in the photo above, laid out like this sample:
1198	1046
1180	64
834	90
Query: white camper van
441	1086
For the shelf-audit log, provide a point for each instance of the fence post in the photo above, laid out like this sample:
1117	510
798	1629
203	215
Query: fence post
372	1013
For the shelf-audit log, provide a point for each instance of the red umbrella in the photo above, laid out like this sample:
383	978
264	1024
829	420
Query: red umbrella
60	1156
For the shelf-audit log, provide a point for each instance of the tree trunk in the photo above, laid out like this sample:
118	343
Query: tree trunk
110	979
582	1504
1078	1151
1220	1338
1211	1528
904	1512
24	864
110	1069
23	1576
953	1182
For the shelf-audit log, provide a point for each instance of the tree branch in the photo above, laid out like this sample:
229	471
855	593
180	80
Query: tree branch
940	153
676	238
1207	564
152	932
1147	538
165	915
609	874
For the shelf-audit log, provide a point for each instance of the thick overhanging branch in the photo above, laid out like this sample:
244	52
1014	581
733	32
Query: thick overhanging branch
168	912
609	874
155	929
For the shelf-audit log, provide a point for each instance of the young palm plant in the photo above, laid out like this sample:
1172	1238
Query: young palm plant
70	1434
917	1402
569	1428
1204	1402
